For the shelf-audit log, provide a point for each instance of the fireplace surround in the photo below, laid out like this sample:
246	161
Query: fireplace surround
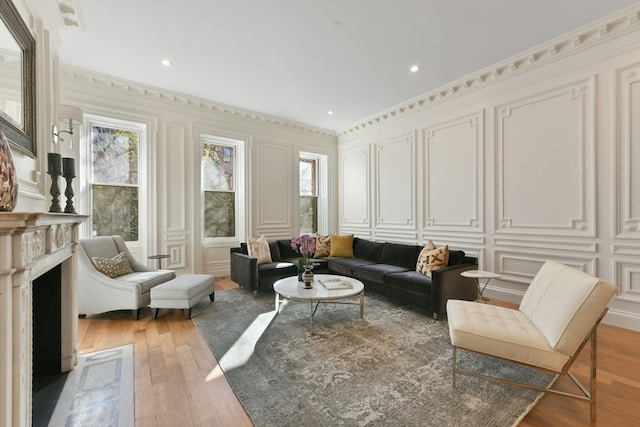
31	245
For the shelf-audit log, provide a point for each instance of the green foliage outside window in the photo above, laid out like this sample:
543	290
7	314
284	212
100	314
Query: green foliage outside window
115	197
115	211
219	193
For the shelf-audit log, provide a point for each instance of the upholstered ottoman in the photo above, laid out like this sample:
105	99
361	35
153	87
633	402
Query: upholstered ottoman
182	292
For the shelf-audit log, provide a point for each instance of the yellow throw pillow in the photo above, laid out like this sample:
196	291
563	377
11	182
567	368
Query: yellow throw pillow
432	258
341	245
259	248
113	267
323	246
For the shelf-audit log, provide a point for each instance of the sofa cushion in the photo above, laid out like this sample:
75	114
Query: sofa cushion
323	246
409	280
113	267
400	255
346	265
276	269
259	248
432	258
367	249
274	250
341	245
286	251
375	272
148	279
456	257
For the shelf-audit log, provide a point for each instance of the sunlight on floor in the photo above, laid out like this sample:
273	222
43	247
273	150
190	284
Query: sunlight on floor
241	351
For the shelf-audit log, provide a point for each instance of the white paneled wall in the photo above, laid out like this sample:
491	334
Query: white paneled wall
175	225
532	159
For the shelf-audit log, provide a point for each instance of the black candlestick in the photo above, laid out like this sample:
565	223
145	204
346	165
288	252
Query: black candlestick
55	192
69	172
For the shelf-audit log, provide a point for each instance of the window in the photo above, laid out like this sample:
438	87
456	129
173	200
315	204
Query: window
308	195
221	182
114	180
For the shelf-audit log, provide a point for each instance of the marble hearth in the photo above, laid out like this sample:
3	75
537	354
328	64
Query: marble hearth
32	244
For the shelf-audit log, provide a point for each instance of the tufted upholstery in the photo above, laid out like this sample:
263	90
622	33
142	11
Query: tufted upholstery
558	314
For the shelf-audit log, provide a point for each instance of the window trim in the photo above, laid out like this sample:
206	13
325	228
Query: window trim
86	172
239	189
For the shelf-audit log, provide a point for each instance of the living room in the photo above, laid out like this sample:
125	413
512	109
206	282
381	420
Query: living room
530	158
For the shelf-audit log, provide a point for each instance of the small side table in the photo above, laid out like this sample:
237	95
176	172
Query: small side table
159	258
478	275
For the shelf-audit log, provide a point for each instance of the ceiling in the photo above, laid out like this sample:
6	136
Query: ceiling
300	59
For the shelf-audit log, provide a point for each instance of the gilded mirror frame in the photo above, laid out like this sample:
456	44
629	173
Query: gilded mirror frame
25	138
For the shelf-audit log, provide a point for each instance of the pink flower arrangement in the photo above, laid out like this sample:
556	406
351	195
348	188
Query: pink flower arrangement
306	246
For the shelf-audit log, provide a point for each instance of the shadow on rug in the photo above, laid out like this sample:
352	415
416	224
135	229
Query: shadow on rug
98	391
392	368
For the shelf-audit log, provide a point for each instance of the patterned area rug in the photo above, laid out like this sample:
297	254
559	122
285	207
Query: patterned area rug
392	368
98	391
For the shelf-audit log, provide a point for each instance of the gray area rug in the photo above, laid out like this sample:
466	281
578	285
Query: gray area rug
392	368
98	391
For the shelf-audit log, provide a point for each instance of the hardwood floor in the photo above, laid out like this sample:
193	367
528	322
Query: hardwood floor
178	382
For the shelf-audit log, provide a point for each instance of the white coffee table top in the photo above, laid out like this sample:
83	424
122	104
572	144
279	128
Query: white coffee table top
289	287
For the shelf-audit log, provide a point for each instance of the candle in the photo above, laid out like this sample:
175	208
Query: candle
55	165
68	167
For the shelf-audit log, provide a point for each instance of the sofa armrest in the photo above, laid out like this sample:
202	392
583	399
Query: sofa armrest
244	269
447	283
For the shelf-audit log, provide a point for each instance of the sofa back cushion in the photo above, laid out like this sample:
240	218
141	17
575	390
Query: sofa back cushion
564	304
366	249
456	257
286	251
274	248
400	255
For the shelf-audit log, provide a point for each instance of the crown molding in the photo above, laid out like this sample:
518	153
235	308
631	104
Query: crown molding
139	89
580	39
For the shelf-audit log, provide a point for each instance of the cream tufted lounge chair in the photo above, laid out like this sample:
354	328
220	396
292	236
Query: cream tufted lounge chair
98	293
558	315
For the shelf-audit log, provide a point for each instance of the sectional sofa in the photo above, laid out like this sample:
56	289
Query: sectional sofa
385	268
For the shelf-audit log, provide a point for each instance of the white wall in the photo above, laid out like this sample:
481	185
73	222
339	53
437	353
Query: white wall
532	159
175	124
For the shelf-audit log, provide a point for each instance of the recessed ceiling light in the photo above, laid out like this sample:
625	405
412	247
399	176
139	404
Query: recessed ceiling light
330	112
166	62
414	69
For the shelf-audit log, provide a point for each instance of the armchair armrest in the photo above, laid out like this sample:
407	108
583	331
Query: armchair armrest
447	283
244	269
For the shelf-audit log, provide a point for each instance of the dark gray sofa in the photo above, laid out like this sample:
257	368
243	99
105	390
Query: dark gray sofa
387	269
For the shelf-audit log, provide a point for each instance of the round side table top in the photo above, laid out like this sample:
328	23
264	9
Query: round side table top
480	274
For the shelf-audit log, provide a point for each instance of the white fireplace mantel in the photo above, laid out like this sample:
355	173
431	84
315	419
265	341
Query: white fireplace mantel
30	245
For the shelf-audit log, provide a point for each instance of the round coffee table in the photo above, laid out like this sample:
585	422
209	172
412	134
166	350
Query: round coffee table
330	292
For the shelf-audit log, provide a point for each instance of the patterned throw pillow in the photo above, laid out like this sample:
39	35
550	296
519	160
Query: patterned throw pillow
113	267
432	258
259	248
323	246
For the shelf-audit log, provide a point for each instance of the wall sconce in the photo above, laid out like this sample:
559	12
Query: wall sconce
70	115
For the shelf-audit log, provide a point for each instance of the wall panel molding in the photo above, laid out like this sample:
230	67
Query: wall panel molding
455	145
274	183
395	182
627	278
522	267
627	221
355	187
554	128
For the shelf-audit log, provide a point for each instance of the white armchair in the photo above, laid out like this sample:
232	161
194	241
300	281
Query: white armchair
558	315
98	293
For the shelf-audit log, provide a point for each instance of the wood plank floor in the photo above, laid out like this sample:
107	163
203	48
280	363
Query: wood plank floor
178	381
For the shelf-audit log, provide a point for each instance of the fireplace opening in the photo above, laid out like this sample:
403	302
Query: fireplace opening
48	380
